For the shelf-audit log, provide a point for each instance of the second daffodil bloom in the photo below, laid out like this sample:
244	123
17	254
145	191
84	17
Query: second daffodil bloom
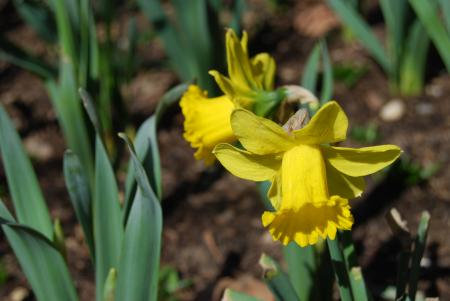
311	180
207	121
249	86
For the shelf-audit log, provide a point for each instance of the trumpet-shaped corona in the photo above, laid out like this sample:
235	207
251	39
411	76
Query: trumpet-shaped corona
207	121
311	181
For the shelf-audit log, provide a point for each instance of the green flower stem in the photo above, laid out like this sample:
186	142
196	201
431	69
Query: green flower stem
402	273
340	270
419	249
357	283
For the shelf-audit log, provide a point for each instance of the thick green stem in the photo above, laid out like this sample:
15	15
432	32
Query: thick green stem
340	270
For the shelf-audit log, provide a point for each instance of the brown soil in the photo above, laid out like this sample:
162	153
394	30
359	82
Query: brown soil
212	230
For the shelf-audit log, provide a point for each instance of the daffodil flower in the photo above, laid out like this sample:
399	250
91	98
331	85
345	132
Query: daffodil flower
311	180
207	120
248	78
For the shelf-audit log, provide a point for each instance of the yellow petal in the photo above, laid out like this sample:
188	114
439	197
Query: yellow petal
274	193
310	223
223	82
343	185
259	135
207	121
246	165
239	68
357	162
328	125
263	66
303	177
244	42
241	98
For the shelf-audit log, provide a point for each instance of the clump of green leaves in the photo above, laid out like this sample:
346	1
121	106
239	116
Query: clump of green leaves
124	241
349	73
86	57
435	17
405	55
366	134
193	37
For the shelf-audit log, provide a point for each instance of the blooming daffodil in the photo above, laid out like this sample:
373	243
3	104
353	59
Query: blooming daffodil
311	180
250	81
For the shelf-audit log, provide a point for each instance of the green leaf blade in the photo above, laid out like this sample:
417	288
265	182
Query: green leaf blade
277	280
107	218
428	15
78	187
41	262
139	263
147	151
310	74
26	194
65	100
361	29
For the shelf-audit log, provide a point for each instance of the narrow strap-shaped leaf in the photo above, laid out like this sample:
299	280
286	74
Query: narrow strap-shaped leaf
147	148
192	17
88	41
419	249
301	267
66	33
201	39
361	29
133	40
428	15
395	13
402	274
41	262
238	9
277	280
78	186
232	295
356	277
17	56
309	271
65	100
445	5
25	192
311	70
327	81
340	270
414	60
139	261
38	15
167	32
107	218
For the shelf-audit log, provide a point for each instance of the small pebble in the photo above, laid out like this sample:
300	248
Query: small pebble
424	108
38	148
18	294
392	110
434	90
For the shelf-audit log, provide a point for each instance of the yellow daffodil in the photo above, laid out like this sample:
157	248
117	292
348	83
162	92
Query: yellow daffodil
207	121
311	180
248	79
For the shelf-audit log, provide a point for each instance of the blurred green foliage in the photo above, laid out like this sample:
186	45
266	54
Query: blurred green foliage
366	134
403	55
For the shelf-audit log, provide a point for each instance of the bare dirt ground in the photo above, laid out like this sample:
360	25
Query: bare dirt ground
212	230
